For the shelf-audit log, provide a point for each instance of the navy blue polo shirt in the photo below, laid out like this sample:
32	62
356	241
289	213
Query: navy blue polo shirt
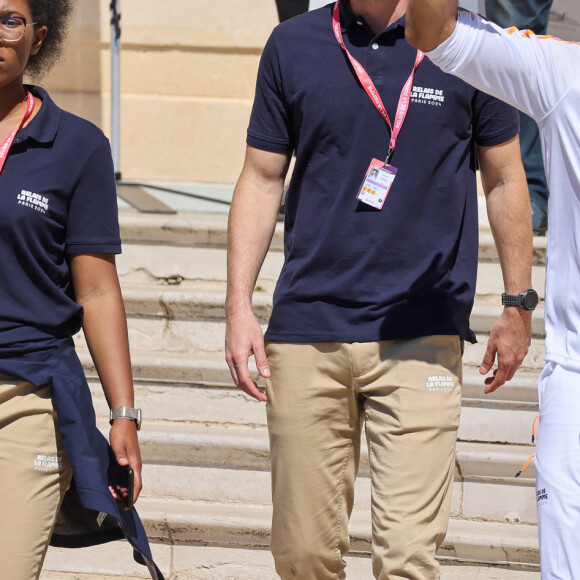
57	197
353	273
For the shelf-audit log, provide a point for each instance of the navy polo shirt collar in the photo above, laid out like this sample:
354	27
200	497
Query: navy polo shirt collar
348	19
347	16
44	127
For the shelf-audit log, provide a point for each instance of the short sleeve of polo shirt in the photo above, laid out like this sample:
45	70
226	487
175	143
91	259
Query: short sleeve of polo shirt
270	126
494	122
92	223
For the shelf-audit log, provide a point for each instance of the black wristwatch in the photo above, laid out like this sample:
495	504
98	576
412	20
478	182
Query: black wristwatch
528	299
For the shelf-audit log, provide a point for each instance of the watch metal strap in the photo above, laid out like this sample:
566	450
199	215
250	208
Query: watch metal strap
126	413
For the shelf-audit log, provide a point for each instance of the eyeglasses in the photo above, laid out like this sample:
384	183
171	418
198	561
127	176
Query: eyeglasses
12	28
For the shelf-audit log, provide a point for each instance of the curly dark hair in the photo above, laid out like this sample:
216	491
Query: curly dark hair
55	15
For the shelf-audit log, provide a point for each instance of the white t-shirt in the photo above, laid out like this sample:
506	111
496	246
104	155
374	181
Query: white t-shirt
539	75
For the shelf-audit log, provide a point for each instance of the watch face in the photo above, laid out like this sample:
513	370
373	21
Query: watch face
530	299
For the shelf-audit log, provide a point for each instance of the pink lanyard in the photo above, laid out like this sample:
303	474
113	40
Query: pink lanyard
371	90
5	148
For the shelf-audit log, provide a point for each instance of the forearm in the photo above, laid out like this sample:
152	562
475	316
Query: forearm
509	212
105	330
250	229
97	290
508	208
430	22
251	225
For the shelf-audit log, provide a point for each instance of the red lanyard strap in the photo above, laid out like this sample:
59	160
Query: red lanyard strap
5	148
370	88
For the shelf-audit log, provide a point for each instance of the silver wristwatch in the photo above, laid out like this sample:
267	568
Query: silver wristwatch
126	413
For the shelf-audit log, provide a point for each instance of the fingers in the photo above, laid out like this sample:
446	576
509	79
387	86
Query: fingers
135	463
495	382
125	446
244	338
509	341
488	359
242	378
508	364
114	493
244	381
261	360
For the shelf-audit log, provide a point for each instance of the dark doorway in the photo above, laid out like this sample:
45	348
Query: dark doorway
290	8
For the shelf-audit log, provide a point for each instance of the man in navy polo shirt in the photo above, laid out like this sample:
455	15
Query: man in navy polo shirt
372	305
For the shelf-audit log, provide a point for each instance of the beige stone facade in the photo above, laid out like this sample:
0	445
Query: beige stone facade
188	71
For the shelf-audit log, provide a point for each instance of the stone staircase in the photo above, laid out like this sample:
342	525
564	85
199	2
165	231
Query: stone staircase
206	501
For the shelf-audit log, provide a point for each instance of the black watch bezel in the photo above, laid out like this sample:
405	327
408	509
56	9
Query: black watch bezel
527	300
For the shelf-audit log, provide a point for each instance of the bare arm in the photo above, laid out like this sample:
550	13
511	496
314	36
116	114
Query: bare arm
252	220
97	290
508	208
430	22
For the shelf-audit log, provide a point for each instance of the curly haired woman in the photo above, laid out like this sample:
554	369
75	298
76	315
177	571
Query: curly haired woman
59	234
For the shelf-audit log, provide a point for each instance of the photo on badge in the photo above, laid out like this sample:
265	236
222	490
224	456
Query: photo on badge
377	184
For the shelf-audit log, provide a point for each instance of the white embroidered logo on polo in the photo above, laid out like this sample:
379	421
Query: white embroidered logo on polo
48	463
33	201
439	383
428	96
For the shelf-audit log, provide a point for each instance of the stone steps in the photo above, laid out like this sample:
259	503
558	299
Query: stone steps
216	524
190	317
177	527
205	301
206	501
210	230
183	387
110	561
170	263
210	369
199	389
231	464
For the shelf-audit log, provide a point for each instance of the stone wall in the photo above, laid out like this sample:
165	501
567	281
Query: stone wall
565	19
188	71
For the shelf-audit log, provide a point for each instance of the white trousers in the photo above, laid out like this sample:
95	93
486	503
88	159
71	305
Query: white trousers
558	473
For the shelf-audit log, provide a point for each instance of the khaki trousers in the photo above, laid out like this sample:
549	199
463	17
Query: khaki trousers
34	476
408	395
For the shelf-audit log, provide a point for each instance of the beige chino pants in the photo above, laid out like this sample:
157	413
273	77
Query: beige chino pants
407	393
34	476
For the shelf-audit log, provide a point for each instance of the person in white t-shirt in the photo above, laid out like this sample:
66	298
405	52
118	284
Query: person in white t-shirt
540	75
532	15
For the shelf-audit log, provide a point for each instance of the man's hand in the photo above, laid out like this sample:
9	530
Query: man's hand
251	225
509	340
244	338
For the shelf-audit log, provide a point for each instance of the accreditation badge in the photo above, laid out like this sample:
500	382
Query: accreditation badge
377	184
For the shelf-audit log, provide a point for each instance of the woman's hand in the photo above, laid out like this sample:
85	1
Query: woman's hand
125	446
